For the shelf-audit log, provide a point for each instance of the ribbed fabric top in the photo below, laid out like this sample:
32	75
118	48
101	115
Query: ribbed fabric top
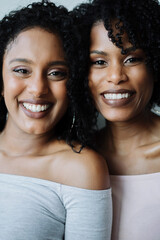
136	207
37	209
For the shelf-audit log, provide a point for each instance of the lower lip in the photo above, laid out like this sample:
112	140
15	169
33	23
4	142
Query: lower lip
36	115
118	102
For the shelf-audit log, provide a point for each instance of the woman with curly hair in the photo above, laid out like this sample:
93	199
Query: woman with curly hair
51	187
121	42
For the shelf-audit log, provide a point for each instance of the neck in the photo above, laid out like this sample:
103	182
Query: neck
18	143
131	133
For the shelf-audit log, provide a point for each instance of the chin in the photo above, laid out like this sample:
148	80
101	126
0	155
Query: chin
118	117
37	130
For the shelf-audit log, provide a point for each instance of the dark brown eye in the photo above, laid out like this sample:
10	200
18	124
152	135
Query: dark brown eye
57	75
133	60
21	70
98	62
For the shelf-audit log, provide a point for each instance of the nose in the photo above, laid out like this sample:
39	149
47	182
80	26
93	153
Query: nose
38	85
116	74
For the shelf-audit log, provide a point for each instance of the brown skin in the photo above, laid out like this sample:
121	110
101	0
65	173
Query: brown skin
131	140
26	145
28	76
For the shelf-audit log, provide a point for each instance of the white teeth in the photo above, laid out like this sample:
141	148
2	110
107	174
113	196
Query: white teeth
36	108
116	95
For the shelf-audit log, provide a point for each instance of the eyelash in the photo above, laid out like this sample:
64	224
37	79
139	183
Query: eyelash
21	70
54	74
134	59
60	75
130	60
98	62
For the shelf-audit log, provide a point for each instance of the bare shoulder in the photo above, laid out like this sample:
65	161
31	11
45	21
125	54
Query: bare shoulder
152	149
86	169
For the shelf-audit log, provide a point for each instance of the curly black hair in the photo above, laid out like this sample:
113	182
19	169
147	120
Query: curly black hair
140	19
55	19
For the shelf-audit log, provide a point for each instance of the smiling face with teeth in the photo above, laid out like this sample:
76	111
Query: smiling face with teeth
121	85
34	77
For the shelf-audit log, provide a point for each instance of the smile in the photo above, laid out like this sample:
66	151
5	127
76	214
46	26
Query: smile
35	107
114	96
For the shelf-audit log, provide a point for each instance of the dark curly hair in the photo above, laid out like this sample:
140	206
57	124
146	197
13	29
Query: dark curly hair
57	20
140	19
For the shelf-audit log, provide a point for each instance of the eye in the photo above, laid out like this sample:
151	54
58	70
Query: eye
98	62
133	60
22	71
57	75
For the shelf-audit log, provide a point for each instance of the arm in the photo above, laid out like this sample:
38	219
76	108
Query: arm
87	198
88	213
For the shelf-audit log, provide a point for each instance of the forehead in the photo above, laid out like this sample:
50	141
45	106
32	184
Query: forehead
32	34
99	35
36	41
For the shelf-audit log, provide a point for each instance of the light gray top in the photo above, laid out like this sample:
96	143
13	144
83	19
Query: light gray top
37	209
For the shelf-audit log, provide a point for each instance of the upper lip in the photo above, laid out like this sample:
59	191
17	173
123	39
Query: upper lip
33	101
118	91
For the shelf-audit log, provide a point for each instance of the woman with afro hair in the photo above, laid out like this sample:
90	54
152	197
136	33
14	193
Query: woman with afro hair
51	185
120	57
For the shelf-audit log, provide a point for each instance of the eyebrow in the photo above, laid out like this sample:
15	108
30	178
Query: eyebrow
98	52
24	60
128	51
54	63
20	60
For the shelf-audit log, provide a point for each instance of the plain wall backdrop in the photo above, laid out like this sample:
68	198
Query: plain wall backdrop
8	5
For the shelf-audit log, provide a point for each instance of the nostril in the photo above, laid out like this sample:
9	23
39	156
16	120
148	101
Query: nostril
116	77
38	87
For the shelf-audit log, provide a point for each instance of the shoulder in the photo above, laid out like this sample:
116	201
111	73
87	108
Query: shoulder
151	150
86	169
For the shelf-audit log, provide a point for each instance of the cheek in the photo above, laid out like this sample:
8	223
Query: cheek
97	77
94	92
149	84
141	78
94	84
146	88
92	88
59	90
12	87
92	80
143	84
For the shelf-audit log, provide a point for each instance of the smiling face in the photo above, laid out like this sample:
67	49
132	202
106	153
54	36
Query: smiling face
121	85
34	78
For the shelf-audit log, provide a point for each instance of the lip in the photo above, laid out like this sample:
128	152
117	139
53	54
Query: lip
33	101
118	91
118	102
35	115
